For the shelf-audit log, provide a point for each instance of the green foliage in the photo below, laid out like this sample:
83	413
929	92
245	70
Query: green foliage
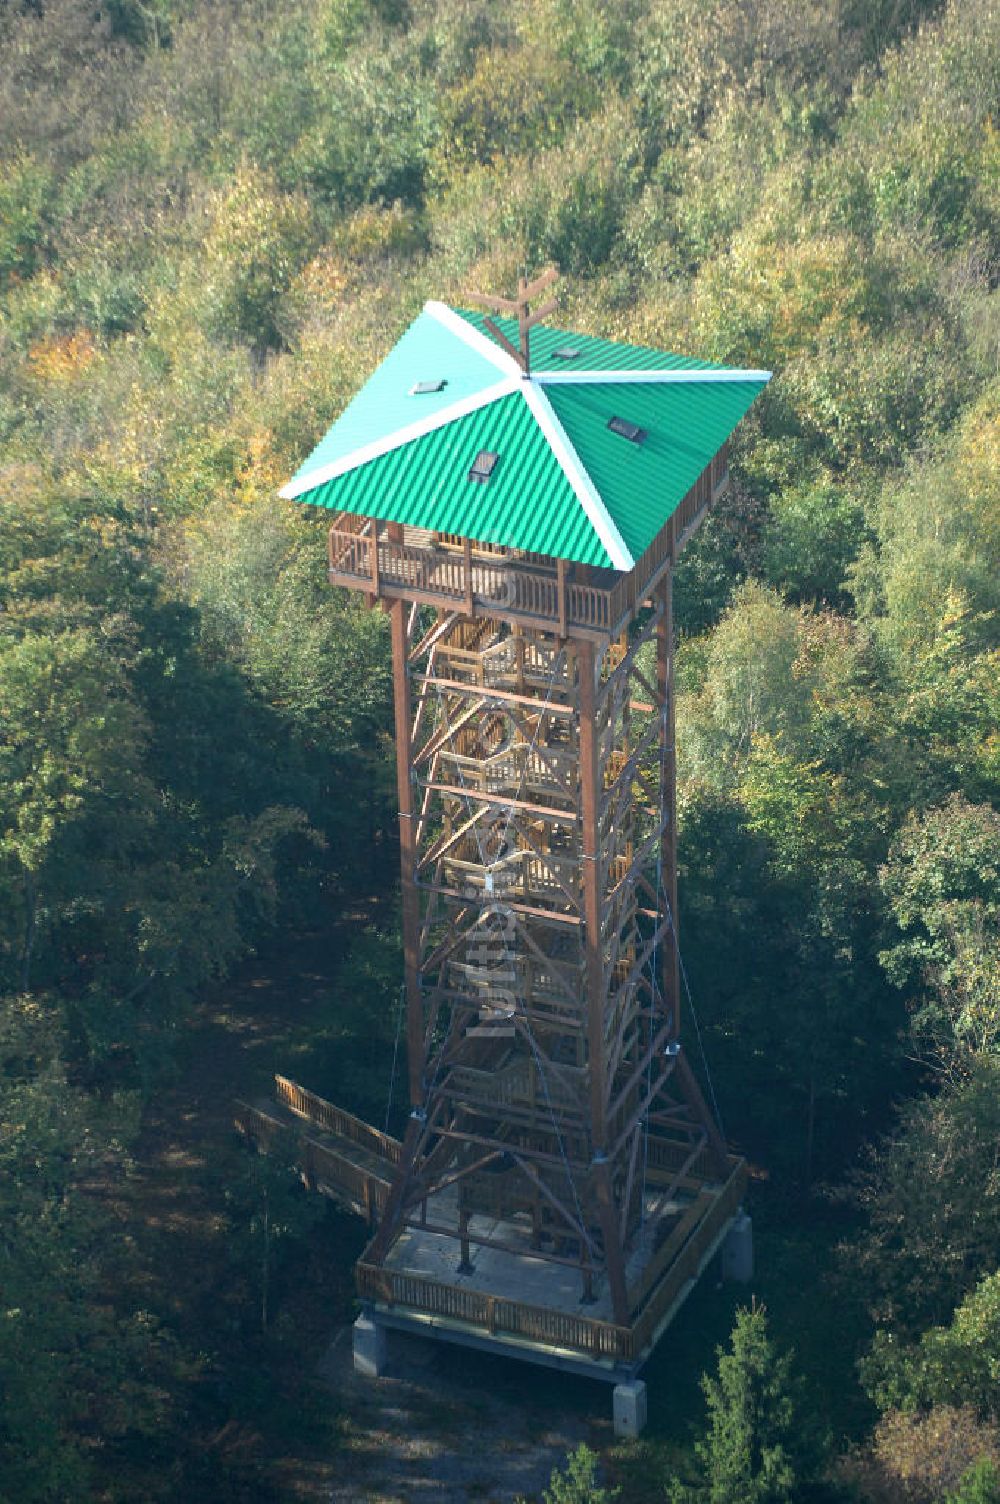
941	880
813	536
70	1365
958	1364
925	1458
931	1196
374	136
980	1485
577	1482
267	1207
255	243
71	752
24	199
746	1454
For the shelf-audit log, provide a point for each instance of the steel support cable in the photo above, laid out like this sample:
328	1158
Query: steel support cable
400	1009
694	1015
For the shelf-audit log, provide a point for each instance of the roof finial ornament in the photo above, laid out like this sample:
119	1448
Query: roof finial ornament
519	308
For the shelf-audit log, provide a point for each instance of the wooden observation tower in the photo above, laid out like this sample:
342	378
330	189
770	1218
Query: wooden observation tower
515	497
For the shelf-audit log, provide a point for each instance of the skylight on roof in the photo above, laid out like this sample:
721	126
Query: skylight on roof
424	388
565	352
483	466
628	430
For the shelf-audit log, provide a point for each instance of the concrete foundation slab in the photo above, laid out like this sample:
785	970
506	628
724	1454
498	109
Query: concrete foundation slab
629	1408
369	1347
737	1251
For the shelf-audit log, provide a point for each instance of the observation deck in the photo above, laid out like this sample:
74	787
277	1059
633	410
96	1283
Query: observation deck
510	1303
398	562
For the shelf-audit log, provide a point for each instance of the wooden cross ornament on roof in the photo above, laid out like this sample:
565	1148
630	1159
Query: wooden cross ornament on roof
519	308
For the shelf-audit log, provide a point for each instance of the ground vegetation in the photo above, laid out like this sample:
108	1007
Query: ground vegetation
215	219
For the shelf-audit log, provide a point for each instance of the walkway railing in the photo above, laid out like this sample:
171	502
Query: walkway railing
322	1114
498	1316
494	1313
512	585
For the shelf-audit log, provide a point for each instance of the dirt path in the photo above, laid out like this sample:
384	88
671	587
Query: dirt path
446	1425
450	1427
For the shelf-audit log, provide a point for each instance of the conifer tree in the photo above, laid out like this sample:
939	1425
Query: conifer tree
745	1453
578	1483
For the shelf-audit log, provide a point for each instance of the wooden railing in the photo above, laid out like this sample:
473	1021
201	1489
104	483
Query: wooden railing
511	1086
493	1313
323	1166
316	1110
664	1157
509	584
258	1125
690	1257
653	1297
325	1170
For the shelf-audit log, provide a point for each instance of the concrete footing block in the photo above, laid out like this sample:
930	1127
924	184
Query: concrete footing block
629	1408
737	1251
369	1348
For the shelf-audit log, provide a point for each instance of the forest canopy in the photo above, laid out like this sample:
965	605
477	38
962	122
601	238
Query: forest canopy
215	219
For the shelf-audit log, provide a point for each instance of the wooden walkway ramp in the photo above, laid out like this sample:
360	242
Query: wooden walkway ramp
336	1153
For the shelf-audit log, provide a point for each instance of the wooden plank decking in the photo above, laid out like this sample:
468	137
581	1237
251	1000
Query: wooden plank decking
657	1294
348	1160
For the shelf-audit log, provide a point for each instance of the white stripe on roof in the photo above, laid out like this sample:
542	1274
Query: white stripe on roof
635	378
572	467
473	337
396	440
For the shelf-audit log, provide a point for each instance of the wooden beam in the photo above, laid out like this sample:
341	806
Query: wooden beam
502	801
501	696
670	975
467	563
536	318
595	989
502	339
441	628
407	852
373	545
613	1260
692	1091
542	281
488	300
590	875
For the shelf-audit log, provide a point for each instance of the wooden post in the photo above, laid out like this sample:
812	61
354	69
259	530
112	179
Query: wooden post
467	564
408	853
670	970
591	877
590	794
613	1259
465	1264
373	544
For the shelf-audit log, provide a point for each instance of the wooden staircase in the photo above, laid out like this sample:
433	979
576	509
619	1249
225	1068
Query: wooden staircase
336	1153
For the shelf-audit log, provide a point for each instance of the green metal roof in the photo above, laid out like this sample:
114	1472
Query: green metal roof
430	476
564	484
596	354
685	426
427	352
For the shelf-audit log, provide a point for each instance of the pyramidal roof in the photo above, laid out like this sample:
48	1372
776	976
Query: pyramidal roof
592	451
